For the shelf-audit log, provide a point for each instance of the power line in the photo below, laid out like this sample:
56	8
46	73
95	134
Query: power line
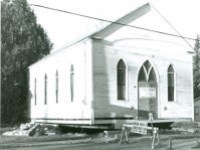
113	22
171	26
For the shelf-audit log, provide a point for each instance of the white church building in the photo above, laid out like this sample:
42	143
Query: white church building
113	76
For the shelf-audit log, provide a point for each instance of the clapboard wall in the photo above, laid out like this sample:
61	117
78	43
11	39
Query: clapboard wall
64	110
95	87
106	55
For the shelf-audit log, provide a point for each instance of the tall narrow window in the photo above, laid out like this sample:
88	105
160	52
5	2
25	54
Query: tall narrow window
35	91
45	89
121	80
170	83
57	86
72	82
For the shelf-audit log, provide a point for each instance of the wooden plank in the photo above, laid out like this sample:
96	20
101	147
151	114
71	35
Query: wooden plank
135	126
140	128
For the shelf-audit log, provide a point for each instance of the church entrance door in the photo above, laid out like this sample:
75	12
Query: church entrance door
147	90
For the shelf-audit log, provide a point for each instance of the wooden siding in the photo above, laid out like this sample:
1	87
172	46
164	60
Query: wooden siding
106	56
77	112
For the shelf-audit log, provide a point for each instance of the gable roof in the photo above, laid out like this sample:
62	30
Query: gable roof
123	21
114	26
130	18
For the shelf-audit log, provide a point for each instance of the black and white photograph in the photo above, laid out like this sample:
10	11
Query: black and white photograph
100	75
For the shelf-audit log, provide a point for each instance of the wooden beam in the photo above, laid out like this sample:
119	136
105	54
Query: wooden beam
124	20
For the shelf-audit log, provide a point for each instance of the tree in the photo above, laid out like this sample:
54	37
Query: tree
23	43
196	68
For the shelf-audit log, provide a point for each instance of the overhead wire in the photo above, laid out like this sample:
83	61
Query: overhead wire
113	22
164	18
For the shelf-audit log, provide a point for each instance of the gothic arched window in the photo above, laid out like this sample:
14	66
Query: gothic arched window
121	80
147	73
170	76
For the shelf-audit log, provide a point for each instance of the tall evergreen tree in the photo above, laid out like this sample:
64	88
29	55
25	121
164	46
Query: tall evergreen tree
23	43
196	70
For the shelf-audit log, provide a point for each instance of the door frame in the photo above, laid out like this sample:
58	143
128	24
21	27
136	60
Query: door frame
157	87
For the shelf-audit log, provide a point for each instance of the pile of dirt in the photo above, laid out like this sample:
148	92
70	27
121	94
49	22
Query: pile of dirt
27	129
45	130
35	129
32	129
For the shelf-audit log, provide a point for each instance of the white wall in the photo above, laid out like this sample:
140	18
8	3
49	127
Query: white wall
95	81
135	52
64	111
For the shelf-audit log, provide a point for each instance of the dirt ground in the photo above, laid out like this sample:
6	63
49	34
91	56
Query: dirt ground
92	141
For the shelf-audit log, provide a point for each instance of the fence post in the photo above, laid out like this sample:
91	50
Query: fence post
170	143
122	135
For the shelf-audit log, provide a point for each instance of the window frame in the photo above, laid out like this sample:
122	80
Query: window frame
35	91
72	74
120	98
147	72
174	83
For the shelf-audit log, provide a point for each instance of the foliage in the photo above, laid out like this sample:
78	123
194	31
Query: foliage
23	43
196	68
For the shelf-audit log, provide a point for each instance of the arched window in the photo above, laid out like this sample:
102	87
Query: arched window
45	89
170	74
35	91
152	75
142	74
147	73
57	86
147	65
121	80
72	82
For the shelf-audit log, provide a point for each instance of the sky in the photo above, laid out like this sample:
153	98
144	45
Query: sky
63	28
